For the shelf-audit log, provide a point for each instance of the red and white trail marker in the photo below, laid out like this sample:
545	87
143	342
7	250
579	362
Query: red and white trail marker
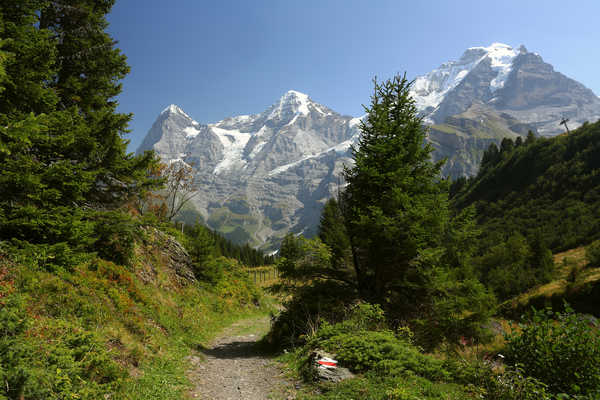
327	362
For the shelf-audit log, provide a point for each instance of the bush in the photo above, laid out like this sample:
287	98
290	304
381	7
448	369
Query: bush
116	233
210	270
304	313
363	343
361	317
513	384
562	350
592	254
483	378
48	257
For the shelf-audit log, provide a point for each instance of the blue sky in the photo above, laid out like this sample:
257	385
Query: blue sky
222	58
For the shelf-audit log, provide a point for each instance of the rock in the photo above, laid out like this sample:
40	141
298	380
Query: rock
325	373
494	327
173	254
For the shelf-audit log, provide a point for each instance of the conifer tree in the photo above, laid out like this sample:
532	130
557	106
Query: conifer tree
530	138
62	150
491	156
332	232
408	253
397	204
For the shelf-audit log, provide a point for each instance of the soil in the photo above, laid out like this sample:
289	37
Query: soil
233	367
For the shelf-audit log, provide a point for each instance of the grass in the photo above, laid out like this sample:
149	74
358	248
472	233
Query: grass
567	262
575	282
142	320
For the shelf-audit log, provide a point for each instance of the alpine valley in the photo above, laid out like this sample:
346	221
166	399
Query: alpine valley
261	176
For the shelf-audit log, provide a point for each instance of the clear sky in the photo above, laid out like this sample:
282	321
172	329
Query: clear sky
223	58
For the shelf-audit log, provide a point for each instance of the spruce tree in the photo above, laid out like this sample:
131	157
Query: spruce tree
397	205
332	232
62	150
408	253
530	138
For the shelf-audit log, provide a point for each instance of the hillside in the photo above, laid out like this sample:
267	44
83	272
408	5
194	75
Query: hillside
545	186
577	281
462	139
103	330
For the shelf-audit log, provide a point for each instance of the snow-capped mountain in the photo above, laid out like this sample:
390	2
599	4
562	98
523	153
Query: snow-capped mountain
431	89
263	175
515	82
293	129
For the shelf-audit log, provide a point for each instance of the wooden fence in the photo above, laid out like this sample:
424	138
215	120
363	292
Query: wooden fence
263	276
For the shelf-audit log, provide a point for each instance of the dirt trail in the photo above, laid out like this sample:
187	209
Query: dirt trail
234	368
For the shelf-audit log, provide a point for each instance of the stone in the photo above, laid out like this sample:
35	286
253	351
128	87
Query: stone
328	374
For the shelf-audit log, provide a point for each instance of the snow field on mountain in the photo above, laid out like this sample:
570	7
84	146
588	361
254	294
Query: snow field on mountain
233	142
430	90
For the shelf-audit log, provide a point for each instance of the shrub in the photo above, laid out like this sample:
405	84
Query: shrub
361	317
562	350
592	254
363	343
304	312
483	378
209	270
513	384
116	233
234	283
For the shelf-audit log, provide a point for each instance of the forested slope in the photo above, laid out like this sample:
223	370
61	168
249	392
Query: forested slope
539	187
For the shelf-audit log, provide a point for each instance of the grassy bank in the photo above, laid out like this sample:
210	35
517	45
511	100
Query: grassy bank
101	330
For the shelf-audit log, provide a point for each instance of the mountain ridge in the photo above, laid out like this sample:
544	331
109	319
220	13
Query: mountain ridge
517	82
269	173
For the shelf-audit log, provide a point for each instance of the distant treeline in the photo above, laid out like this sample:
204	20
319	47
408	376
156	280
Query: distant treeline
218	245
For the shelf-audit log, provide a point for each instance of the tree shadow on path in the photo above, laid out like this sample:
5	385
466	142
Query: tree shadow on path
234	350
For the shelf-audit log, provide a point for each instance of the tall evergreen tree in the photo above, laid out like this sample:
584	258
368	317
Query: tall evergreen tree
409	255
530	138
396	202
62	150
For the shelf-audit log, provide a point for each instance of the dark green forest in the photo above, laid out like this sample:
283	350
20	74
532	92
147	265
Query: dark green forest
547	187
211	243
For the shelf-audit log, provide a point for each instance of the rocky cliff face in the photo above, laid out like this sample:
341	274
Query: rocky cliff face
264	175
261	175
515	82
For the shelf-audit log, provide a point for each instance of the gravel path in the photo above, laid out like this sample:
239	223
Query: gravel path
234	368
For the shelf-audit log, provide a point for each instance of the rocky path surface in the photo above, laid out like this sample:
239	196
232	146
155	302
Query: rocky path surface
234	367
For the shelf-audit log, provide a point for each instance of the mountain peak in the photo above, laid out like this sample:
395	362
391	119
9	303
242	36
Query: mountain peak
294	93
297	100
496	46
173	109
290	104
430	90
